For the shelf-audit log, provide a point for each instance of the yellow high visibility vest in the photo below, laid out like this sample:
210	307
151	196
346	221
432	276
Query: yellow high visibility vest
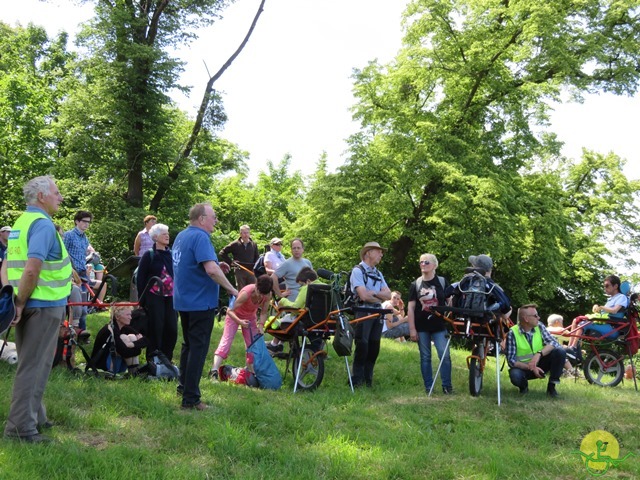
54	282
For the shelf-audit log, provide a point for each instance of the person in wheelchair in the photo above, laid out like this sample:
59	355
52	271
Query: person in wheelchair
128	344
614	309
306	276
532	352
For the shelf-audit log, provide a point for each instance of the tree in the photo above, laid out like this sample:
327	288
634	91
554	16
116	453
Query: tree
450	158
33	75
121	119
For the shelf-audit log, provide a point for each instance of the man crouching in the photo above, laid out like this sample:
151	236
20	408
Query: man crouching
532	352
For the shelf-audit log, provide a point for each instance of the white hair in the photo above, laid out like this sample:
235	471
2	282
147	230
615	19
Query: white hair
555	319
157	230
35	186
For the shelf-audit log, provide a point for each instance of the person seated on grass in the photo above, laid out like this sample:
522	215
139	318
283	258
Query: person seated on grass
613	309
396	324
128	344
532	352
251	298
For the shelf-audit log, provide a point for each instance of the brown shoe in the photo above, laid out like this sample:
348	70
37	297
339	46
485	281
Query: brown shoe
198	406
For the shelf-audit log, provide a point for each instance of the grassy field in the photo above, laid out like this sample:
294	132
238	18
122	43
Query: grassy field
132	429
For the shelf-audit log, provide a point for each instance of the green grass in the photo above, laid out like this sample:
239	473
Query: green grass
131	429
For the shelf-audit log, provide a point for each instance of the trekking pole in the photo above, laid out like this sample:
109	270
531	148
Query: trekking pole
444	355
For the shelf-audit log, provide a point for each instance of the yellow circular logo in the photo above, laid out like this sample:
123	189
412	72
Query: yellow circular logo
600	449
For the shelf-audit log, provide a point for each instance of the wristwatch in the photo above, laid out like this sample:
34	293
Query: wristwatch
540	352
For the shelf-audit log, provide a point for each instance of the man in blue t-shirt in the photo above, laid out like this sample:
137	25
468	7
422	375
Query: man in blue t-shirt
197	277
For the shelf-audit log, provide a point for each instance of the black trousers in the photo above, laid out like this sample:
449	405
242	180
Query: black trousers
367	341
553	364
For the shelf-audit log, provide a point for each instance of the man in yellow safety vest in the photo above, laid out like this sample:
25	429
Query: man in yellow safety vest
38	267
532	352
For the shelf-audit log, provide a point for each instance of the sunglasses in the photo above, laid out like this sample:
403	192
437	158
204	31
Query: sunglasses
425	262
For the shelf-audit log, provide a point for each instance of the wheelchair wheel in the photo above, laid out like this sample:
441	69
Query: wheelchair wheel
608	376
312	370
475	371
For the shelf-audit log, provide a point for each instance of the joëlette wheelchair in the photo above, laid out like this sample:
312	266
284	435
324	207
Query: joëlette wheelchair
603	362
309	328
484	331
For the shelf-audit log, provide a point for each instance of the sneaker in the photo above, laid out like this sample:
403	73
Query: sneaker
213	375
447	390
524	390
275	348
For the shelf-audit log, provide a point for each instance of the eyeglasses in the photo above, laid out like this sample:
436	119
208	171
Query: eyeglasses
425	262
276	244
85	221
607	285
535	315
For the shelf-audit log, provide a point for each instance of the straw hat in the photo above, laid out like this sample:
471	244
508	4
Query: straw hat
370	246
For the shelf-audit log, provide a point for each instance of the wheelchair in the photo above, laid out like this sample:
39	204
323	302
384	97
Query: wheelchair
483	332
306	331
606	348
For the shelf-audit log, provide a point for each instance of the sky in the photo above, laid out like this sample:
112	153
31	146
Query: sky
289	91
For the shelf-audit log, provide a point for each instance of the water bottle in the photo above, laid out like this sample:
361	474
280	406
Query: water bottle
232	300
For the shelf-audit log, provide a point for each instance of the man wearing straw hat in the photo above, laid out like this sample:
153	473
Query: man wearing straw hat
371	289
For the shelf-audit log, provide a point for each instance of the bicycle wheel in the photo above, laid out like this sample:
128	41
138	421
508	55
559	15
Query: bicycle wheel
605	376
312	370
475	370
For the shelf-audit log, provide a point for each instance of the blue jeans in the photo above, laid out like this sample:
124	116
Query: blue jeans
424	344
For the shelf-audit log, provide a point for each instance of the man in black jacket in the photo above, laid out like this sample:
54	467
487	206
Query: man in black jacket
245	253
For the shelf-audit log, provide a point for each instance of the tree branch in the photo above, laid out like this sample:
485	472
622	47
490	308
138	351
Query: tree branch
165	184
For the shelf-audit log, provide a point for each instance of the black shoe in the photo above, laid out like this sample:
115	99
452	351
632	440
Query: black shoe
179	390
447	390
35	438
213	375
552	392
524	390
357	383
46	425
275	348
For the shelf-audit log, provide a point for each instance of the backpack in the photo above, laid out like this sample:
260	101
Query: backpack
161	368
351	298
343	337
474	290
258	267
237	375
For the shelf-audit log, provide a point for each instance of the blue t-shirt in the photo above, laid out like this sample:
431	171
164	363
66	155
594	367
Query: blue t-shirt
193	289
44	244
